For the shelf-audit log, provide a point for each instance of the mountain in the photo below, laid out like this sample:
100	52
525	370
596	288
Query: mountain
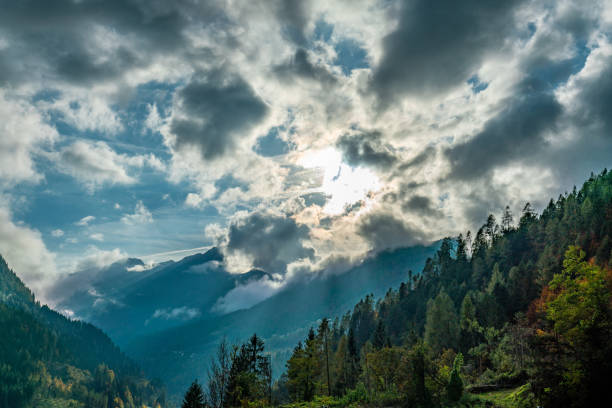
127	300
48	360
182	353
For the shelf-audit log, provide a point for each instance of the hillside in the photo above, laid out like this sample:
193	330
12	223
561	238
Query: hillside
48	360
519	307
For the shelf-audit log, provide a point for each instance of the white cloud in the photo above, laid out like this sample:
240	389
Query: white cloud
57	233
141	215
83	222
86	111
23	133
98	258
153	121
177	313
245	296
95	164
97	237
26	253
193	200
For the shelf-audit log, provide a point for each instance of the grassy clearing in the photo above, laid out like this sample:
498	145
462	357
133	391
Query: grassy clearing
520	397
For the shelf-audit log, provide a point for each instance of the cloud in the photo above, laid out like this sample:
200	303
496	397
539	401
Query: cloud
141	215
193	200
367	148
245	296
421	205
300	66
435	48
56	233
95	258
97	237
177	313
84	222
386	231
213	112
140	31
518	132
24	250
96	164
265	240
23	134
293	16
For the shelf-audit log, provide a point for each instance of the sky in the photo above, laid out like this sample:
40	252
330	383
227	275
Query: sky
296	136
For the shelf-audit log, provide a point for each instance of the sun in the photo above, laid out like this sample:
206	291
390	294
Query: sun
342	184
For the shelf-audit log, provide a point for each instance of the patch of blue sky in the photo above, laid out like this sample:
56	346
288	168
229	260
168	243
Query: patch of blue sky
61	201
272	144
553	74
350	55
476	84
46	95
323	31
174	228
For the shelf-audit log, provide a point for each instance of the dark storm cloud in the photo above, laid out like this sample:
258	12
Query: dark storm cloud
56	38
588	118
217	110
293	16
421	205
300	66
385	231
515	133
419	159
367	148
596	102
438	45
272	240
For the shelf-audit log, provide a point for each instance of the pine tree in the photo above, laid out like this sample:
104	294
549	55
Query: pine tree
507	220
324	340
194	397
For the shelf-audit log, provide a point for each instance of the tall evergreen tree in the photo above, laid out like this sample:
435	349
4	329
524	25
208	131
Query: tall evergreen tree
194	397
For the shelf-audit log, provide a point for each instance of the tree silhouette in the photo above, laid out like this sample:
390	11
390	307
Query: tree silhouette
194	397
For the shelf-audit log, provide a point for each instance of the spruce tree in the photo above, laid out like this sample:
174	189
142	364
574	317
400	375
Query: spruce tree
194	397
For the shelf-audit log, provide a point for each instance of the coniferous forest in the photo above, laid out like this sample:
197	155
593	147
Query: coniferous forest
516	315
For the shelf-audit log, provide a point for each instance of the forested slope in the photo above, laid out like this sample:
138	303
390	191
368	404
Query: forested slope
523	304
47	360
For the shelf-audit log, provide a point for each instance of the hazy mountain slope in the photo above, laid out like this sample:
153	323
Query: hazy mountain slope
128	303
181	354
